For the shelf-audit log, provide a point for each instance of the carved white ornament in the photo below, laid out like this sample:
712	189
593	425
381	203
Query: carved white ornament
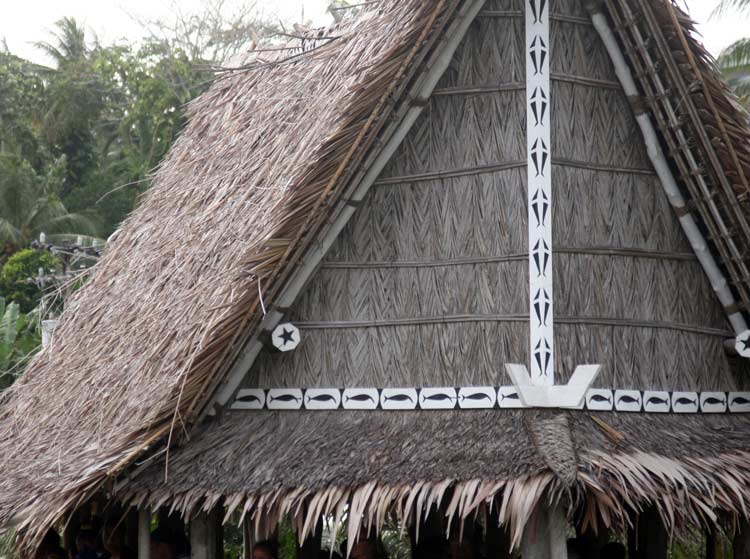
285	337
742	344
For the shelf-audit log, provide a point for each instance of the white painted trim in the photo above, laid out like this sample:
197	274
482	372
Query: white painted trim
571	395
668	182
539	181
576	395
315	255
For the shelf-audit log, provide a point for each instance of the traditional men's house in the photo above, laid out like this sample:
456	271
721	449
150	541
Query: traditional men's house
454	262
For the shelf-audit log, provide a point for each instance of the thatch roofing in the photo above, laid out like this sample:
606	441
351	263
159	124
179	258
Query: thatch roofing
255	174
266	464
266	159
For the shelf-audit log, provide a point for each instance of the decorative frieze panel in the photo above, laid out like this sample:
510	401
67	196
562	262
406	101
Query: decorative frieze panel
484	397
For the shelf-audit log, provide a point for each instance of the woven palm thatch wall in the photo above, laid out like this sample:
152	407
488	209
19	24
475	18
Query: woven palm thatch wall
428	284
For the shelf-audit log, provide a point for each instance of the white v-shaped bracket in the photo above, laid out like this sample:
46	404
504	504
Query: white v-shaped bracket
569	395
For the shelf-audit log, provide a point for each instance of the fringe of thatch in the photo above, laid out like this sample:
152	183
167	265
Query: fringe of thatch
608	491
256	174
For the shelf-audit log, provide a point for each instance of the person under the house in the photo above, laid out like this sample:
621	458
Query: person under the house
264	550
168	544
613	550
87	544
50	547
368	548
460	548
113	541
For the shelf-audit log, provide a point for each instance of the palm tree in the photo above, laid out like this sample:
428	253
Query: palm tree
70	44
28	207
734	60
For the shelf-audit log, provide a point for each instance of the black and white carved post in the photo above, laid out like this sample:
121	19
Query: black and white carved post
539	193
537	388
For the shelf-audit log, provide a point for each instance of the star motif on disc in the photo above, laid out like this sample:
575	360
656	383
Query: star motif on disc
742	344
285	337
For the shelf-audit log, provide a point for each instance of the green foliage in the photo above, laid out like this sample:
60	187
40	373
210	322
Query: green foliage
79	139
29	205
233	542
287	540
734	62
15	273
19	338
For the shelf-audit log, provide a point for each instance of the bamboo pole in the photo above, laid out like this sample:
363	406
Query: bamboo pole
668	182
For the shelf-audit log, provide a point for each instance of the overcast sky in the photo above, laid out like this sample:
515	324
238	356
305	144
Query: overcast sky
25	21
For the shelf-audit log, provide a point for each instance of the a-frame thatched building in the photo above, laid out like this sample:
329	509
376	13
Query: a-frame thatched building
427	195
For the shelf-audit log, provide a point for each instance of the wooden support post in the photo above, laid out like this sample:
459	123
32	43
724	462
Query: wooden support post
714	544
144	534
544	536
248	540
741	544
650	539
204	536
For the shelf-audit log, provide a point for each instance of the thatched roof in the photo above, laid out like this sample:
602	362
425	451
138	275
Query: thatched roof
267	464
254	176
268	157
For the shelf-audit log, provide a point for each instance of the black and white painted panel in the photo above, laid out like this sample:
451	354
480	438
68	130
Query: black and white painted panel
360	398
484	397
477	397
437	398
599	399
322	398
685	402
657	401
284	399
541	330
399	398
508	397
628	400
250	399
